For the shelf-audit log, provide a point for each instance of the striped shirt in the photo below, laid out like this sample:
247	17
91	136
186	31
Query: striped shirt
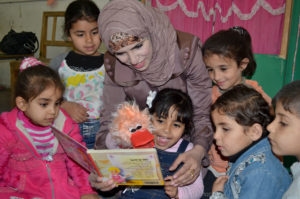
43	137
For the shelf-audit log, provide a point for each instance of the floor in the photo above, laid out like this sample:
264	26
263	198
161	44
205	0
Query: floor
4	99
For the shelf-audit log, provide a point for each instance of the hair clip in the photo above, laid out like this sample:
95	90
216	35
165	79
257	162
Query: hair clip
238	29
29	62
150	98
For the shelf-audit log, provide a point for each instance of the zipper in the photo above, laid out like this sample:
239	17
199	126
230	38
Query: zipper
51	183
46	164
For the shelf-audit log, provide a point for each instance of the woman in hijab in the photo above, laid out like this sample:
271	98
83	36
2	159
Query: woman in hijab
147	54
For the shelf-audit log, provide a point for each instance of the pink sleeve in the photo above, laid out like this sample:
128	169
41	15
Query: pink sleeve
194	190
4	171
7	141
77	173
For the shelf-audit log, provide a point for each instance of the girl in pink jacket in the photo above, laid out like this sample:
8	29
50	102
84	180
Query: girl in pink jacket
32	163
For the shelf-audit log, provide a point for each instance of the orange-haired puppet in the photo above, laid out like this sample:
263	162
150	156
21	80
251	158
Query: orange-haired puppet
130	128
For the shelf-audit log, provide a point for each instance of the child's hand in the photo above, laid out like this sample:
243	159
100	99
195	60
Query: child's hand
90	196
98	183
191	168
171	190
219	183
77	112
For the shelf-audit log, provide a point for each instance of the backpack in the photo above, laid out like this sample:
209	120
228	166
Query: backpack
19	43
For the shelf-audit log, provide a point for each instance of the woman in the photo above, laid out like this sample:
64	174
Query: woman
147	54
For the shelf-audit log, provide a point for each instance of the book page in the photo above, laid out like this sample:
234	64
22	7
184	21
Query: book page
74	150
129	166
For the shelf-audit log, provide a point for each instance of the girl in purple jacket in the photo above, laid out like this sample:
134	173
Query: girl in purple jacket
32	163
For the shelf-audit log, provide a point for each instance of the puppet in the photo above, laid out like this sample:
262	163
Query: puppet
130	128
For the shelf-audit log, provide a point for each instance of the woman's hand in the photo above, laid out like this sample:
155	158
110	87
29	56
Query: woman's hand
171	190
98	183
77	112
90	196
190	170
219	184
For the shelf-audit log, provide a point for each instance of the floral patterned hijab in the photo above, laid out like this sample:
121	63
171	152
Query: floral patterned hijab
134	18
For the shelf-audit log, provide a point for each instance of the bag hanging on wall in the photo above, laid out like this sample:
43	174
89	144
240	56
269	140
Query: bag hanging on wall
14	43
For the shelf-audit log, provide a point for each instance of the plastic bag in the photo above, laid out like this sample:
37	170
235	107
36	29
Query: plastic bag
19	43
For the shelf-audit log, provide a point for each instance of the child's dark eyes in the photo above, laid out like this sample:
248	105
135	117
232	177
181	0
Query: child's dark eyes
223	68
209	69
79	34
225	129
177	125
283	124
95	32
43	104
160	121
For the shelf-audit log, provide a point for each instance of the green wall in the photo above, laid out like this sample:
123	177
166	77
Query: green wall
292	46
269	73
272	71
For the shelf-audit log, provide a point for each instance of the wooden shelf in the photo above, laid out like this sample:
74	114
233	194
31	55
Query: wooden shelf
4	56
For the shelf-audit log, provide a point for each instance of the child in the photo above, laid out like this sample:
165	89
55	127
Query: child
228	58
81	69
172	118
285	131
33	164
241	116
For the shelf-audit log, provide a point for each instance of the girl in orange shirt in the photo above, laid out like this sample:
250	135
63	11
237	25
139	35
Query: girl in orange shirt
229	59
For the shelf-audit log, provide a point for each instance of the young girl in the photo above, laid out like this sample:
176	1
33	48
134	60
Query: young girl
285	131
172	118
81	69
228	58
241	116
33	164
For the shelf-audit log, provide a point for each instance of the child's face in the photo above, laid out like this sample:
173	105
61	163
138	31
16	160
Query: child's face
43	109
137	55
85	37
223	71
285	132
167	130
230	136
114	172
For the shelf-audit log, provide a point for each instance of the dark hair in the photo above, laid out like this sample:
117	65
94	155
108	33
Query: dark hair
289	97
234	43
80	10
246	106
34	80
169	97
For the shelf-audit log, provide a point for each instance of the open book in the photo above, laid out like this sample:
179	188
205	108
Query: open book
124	166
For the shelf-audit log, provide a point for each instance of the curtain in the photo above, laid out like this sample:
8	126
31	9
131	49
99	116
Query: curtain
262	18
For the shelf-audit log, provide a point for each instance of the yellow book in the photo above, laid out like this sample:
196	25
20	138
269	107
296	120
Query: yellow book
129	166
125	166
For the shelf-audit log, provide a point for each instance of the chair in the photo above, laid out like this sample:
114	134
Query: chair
44	43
